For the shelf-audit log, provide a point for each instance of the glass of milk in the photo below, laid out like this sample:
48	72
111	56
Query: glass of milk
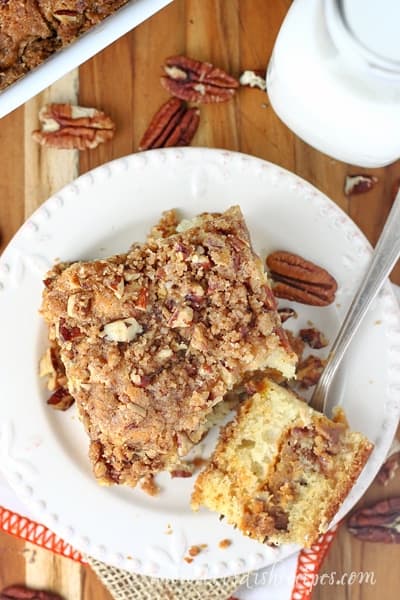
334	78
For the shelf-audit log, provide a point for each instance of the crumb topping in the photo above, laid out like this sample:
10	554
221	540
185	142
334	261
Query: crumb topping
153	339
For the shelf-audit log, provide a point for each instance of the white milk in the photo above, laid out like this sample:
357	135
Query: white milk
334	78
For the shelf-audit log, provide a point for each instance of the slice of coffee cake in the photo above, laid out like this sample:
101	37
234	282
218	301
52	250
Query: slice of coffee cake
281	470
153	339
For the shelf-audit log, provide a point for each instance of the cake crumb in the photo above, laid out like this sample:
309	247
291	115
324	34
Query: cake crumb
169	530
198	462
149	486
224	544
194	550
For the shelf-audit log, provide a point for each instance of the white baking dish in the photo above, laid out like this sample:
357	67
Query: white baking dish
63	61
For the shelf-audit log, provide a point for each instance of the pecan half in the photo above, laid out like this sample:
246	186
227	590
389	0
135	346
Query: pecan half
359	184
313	337
68	127
20	592
298	279
197	81
174	124
309	371
377	523
61	399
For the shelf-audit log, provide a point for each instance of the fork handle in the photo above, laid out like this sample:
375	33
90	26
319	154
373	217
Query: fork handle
385	255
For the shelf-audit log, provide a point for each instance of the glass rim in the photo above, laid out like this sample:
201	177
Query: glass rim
343	36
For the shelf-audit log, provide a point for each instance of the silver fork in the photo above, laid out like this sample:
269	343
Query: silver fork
385	255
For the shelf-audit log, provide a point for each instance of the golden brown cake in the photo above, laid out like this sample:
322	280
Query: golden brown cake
281	470
152	340
32	30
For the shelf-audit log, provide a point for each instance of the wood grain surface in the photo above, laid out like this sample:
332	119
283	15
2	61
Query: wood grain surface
123	80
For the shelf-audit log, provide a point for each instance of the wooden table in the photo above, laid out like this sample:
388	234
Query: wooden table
124	81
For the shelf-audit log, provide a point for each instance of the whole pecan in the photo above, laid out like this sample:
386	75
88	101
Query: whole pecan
197	81
298	279
174	124
20	592
67	127
377	523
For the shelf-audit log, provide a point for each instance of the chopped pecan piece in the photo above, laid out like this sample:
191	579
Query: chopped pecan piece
255	78
391	464
67	17
359	184
197	81
388	469
61	399
20	592
298	279
287	313
284	338
68	333
377	523
296	343
181	473
68	127
270	300
313	337
52	367
174	124
309	371
122	330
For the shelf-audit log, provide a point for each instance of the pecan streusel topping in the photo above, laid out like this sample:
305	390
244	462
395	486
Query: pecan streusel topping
153	339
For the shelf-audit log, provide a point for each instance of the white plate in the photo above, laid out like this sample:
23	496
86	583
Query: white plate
86	46
44	453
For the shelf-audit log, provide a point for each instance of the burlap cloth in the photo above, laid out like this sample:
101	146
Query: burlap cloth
124	585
